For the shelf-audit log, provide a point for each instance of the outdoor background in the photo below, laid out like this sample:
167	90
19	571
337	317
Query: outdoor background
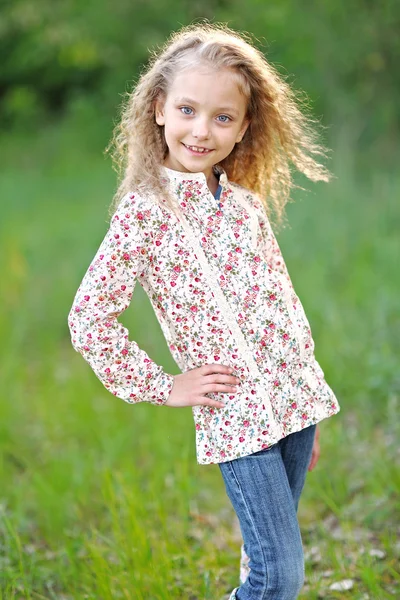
100	499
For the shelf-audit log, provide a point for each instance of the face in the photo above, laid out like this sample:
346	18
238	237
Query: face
204	116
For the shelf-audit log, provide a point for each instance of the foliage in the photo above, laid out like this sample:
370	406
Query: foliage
344	54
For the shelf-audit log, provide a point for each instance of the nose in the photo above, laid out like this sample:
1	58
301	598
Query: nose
201	129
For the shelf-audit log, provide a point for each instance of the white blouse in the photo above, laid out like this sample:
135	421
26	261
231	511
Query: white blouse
221	292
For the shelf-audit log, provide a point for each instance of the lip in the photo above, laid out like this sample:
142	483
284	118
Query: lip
194	153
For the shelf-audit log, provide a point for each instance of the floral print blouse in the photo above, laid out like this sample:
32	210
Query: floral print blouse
222	294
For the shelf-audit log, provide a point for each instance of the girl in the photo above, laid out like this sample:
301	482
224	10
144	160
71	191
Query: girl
208	134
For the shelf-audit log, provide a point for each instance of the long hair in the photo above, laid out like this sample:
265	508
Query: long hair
281	134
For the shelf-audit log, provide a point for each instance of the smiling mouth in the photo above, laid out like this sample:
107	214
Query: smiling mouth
198	149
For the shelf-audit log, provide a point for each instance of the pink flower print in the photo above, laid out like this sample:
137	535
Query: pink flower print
241	439
164	227
246	423
126	256
139	216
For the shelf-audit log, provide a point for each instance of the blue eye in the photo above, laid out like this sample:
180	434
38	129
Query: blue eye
186	110
225	118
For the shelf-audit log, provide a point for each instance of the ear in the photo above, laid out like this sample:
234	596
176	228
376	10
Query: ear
159	111
243	130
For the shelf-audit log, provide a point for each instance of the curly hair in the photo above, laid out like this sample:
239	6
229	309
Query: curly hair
281	135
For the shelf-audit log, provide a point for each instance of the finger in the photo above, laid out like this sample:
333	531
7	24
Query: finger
208	402
215	368
213	403
218	378
215	387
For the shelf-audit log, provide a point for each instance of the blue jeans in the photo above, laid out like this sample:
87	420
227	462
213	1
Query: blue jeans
265	489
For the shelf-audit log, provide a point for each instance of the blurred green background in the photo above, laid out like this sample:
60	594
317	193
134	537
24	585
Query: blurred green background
103	500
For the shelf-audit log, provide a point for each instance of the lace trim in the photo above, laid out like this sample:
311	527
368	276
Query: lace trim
227	311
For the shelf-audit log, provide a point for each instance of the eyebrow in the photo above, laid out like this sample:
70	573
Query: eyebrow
185	100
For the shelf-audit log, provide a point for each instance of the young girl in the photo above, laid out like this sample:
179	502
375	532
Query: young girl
206	142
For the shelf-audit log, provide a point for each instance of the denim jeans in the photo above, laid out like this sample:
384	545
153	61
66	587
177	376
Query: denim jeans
265	489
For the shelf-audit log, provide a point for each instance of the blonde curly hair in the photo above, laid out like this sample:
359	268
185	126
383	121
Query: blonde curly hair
280	135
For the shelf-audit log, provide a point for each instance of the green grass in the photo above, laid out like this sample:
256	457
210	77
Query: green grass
103	500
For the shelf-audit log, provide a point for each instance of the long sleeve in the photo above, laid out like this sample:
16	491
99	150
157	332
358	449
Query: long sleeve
268	243
273	255
105	292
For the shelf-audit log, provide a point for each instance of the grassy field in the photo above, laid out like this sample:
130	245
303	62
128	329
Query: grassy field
103	500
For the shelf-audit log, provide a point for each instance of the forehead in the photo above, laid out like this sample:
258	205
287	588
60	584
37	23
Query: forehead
209	87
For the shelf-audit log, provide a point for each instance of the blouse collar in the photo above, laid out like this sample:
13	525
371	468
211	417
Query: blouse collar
180	176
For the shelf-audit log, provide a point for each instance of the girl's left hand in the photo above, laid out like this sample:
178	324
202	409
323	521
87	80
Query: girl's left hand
315	451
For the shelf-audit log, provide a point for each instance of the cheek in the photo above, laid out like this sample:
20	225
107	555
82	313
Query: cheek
228	139
173	128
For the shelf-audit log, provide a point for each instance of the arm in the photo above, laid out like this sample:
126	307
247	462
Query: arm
105	292
315	450
267	240
273	255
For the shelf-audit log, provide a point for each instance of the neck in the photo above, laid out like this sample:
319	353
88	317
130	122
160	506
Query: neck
212	182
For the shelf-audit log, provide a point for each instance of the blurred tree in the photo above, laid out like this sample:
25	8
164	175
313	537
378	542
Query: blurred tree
344	54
